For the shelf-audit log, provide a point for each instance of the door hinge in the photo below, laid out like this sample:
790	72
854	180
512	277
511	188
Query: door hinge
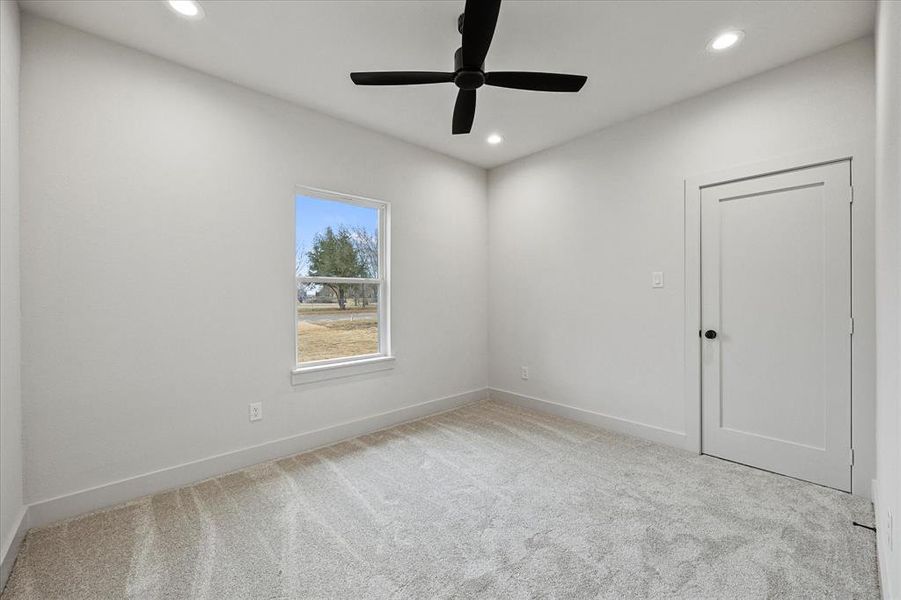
850	325
851	456
851	198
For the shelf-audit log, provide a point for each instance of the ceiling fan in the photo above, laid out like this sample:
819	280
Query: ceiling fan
477	25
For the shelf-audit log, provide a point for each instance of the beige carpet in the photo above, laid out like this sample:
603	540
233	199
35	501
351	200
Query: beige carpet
488	501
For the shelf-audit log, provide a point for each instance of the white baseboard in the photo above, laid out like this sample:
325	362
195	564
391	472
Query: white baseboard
11	546
117	492
653	433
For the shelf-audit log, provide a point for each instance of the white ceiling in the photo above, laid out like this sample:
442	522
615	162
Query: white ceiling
638	55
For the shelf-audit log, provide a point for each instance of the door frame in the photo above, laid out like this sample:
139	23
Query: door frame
692	268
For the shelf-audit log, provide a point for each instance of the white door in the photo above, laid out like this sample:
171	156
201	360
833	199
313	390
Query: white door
776	294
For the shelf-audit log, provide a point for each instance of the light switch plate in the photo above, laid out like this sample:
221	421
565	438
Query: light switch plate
657	279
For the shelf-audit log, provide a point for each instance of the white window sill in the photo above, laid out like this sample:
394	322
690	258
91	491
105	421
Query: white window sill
349	368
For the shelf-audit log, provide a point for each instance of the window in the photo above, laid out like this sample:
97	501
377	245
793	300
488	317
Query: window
341	273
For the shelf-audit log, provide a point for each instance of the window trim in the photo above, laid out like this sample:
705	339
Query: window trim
361	363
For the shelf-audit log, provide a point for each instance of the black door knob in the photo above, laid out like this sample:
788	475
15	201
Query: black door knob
710	334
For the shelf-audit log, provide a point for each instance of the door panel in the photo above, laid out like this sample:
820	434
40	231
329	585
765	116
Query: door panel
776	287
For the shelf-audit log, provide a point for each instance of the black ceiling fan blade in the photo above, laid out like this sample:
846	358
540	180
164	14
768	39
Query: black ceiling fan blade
464	111
400	77
535	81
479	21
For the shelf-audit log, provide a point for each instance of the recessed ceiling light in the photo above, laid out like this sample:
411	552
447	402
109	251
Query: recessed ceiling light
187	8
725	40
494	139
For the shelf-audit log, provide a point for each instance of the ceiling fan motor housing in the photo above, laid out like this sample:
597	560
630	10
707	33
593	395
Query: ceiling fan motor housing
466	77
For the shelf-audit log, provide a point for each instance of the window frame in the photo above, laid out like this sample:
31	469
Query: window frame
360	363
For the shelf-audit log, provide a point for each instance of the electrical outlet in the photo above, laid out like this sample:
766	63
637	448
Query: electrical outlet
524	373
255	410
657	279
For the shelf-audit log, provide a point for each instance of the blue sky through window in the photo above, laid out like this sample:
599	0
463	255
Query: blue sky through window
313	215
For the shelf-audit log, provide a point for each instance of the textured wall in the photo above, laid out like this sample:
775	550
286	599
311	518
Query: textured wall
576	231
888	291
10	339
157	250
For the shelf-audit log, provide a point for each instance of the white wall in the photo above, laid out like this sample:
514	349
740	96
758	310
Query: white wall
888	292
575	232
10	340
157	275
157	248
